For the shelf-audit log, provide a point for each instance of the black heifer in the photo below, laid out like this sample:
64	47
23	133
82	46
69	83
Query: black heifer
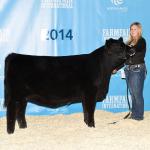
57	81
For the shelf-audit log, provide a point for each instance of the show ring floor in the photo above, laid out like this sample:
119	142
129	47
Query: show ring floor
69	132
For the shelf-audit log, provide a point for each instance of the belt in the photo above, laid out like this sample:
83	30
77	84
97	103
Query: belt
135	66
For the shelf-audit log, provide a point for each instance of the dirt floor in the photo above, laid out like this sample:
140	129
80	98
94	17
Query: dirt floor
69	132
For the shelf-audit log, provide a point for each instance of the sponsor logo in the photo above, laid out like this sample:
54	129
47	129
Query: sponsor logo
115	33
117	2
56	3
119	101
117	5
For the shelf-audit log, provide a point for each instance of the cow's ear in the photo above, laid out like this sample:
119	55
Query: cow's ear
107	45
120	39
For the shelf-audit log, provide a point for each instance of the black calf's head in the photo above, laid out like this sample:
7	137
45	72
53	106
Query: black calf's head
116	48
117	51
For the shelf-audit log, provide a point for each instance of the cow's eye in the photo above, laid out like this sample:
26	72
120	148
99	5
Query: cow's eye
122	45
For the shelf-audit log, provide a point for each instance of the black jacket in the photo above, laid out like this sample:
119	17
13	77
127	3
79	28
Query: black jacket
140	50
138	58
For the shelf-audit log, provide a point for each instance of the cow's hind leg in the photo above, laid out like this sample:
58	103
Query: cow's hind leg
89	104
11	116
20	114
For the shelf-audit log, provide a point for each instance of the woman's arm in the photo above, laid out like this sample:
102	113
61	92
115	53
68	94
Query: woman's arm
141	45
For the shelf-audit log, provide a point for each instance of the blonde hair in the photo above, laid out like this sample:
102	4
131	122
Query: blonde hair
131	39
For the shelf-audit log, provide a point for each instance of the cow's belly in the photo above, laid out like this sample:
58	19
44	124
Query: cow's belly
54	93
52	102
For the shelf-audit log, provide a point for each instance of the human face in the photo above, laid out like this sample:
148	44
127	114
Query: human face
134	31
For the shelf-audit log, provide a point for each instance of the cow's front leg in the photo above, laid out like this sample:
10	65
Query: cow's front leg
89	104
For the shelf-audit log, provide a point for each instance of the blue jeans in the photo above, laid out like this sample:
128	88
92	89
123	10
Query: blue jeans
135	76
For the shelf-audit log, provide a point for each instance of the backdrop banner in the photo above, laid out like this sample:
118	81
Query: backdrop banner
69	27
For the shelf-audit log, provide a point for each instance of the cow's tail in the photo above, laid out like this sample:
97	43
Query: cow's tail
7	89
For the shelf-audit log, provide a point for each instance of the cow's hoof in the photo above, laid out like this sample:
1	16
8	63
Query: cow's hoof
91	124
10	131
86	121
22	126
